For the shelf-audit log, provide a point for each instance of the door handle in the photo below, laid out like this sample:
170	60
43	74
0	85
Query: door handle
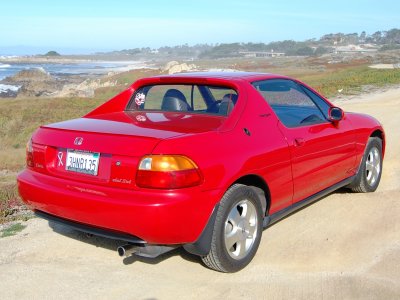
299	142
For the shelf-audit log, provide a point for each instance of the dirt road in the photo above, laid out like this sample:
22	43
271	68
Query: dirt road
344	246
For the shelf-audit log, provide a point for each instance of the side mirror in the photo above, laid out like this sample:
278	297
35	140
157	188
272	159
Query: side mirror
335	114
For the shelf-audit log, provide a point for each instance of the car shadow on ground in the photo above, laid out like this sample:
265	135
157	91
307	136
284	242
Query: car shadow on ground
153	261
343	190
111	244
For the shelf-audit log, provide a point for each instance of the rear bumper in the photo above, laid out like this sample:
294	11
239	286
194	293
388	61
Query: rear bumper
90	229
154	216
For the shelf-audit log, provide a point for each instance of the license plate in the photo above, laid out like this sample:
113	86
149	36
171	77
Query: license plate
82	162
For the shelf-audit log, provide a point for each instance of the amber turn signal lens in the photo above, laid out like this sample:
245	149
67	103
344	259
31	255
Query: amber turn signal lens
167	172
165	163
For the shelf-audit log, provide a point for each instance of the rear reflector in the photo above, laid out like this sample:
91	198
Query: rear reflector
29	154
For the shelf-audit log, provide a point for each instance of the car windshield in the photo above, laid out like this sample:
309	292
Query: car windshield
203	99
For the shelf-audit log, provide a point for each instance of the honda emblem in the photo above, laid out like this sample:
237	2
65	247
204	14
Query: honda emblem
78	141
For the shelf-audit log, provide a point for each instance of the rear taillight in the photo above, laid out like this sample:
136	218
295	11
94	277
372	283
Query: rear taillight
29	154
167	172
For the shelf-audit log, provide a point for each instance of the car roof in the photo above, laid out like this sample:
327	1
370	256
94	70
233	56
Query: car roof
231	75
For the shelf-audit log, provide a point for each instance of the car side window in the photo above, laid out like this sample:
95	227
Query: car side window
290	102
318	101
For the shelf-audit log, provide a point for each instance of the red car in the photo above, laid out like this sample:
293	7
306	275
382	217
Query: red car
200	160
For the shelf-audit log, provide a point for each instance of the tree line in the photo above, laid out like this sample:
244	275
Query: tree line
386	40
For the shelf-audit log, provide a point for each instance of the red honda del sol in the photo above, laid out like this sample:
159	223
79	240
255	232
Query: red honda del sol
205	161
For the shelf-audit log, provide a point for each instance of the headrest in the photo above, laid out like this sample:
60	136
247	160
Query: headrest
175	93
174	104
232	97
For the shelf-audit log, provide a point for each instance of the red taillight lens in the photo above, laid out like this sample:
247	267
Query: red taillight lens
167	172
29	154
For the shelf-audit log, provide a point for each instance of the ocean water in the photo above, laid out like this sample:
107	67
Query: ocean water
57	69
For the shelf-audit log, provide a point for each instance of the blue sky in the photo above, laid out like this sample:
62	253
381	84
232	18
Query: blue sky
89	26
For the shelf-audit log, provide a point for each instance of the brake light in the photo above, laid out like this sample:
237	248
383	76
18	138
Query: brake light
29	154
167	172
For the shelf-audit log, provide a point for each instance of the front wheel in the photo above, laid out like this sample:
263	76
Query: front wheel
237	230
370	171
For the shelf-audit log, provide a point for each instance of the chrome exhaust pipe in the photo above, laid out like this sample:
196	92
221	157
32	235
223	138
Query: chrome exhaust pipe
127	250
150	251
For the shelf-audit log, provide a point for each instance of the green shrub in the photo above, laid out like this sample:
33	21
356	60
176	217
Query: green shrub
12	230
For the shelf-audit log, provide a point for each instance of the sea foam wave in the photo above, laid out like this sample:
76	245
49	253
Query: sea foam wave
4	66
4	88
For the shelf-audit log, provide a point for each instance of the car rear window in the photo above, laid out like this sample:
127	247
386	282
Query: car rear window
203	99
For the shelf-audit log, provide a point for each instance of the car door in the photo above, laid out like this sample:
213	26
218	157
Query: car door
322	153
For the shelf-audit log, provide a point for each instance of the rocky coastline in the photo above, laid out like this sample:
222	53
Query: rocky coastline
37	82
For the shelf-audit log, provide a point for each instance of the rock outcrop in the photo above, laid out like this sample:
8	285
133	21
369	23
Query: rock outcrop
83	89
34	83
173	67
35	74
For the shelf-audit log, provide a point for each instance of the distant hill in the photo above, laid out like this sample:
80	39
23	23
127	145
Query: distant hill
383	40
52	53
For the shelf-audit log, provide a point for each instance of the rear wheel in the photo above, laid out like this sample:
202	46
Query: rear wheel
369	174
237	230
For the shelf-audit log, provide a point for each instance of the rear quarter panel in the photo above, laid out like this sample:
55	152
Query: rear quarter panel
365	126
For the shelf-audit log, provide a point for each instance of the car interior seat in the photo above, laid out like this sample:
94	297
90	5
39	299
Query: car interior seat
174	100
227	104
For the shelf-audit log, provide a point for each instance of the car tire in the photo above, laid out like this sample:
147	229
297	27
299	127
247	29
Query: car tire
237	230
370	170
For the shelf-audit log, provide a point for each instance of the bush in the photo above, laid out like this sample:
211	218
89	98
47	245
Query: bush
320	51
389	47
305	51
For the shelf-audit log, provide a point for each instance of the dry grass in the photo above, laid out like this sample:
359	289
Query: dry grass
10	203
20	117
351	80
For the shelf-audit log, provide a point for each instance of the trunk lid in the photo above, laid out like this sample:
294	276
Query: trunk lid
106	149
